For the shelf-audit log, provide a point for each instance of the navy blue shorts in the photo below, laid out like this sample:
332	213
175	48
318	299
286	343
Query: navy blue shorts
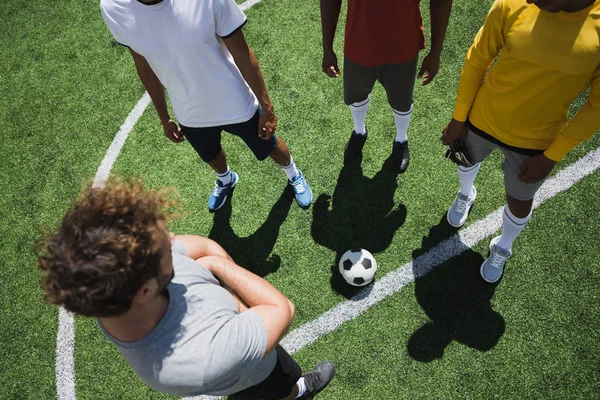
207	141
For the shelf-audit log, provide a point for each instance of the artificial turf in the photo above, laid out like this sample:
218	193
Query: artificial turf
68	87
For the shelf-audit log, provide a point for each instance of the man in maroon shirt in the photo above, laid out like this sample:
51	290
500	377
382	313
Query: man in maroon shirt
383	39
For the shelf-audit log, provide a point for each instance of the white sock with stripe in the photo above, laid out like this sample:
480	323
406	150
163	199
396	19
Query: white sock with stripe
359	115
402	119
511	227
291	171
225	177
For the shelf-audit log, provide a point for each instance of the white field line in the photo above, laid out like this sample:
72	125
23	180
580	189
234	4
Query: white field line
65	337
394	281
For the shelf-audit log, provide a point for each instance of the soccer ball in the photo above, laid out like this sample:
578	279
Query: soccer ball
358	267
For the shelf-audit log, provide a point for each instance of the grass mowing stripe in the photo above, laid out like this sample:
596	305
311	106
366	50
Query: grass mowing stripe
65	337
422	265
394	281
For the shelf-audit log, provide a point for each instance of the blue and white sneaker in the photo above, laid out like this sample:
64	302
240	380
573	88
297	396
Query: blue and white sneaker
219	195
302	191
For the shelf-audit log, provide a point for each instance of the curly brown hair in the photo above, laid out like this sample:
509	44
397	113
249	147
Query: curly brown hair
107	246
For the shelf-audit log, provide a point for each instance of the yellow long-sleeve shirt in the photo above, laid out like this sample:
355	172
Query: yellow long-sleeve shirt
547	60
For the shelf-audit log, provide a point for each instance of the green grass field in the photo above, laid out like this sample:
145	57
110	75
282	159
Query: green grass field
67	87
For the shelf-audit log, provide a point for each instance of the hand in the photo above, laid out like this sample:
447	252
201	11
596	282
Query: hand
267	124
455	132
429	68
330	64
173	132
535	169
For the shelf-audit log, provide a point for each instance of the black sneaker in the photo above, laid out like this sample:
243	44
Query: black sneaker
400	156
317	378
354	146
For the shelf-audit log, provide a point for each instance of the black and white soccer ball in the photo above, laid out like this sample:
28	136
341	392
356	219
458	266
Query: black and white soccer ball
358	267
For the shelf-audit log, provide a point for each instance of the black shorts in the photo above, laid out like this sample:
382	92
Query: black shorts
398	80
280	383
207	141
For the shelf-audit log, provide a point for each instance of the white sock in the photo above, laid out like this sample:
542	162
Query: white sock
301	387
511	227
225	177
359	115
402	120
291	171
466	177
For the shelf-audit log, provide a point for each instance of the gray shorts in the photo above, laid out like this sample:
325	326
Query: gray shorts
398	80
479	148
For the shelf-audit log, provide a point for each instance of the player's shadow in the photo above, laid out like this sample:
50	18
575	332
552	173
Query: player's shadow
362	215
454	296
253	252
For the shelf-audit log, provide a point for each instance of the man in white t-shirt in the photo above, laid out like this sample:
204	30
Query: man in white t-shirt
197	51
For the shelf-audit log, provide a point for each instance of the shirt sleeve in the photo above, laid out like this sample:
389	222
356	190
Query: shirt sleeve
112	25
228	17
582	127
178	247
486	46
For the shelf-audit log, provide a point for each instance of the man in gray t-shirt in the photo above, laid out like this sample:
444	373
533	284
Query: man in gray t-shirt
187	318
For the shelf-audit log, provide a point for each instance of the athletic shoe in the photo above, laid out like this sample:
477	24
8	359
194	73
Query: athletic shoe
493	268
302	191
219	195
459	211
401	156
355	145
317	378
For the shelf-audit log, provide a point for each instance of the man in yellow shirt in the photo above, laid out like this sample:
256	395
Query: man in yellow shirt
549	54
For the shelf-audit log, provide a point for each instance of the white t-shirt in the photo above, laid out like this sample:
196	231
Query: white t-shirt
182	42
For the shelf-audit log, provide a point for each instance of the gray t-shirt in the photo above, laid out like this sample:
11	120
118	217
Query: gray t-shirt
203	345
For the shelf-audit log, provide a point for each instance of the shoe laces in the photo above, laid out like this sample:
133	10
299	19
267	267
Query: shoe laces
299	186
218	190
497	260
313	380
461	205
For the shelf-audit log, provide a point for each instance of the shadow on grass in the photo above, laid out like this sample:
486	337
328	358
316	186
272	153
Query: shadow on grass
455	298
362	215
253	252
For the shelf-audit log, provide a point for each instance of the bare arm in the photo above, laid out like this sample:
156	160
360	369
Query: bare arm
330	14
440	15
200	246
244	58
157	93
261	297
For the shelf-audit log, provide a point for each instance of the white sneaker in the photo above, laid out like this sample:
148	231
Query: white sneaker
493	268
459	211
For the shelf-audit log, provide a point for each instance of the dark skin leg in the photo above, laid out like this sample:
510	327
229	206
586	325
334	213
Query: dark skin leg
219	164
519	208
281	153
